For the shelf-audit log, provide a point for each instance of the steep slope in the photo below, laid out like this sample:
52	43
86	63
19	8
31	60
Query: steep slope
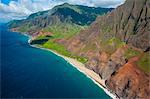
116	45
129	22
112	41
65	13
61	22
130	82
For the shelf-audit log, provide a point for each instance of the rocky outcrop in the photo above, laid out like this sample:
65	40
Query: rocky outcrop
130	22
112	64
129	82
105	44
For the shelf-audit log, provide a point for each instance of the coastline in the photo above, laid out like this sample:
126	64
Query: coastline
81	67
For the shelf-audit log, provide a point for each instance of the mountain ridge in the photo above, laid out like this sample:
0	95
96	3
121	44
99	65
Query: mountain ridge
115	46
112	41
73	14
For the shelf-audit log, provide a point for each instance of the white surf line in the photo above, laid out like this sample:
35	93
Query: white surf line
77	67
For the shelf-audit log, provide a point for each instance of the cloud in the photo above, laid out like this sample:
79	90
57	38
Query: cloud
22	8
19	9
107	3
95	3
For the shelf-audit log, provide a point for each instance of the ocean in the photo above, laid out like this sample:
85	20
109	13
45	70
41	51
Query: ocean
28	72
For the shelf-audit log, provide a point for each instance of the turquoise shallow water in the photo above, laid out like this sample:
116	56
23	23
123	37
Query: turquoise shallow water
28	72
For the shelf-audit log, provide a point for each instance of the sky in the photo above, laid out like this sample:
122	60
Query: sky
20	9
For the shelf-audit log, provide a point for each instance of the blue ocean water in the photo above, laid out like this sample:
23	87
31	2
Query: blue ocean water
28	72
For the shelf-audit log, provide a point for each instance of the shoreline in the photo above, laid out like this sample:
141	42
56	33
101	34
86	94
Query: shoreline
80	67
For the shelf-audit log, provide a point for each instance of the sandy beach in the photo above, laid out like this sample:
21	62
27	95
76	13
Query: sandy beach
81	67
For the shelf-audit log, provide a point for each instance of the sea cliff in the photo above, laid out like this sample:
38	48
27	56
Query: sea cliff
115	46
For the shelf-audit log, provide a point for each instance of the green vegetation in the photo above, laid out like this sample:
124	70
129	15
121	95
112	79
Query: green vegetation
111	45
26	27
76	14
106	29
144	63
116	41
23	28
63	21
61	31
62	50
66	5
91	47
56	47
131	53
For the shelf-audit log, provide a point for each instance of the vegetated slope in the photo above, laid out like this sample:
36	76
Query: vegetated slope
61	22
65	13
116	44
112	41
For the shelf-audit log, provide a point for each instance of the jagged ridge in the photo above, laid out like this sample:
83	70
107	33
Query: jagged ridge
109	44
65	13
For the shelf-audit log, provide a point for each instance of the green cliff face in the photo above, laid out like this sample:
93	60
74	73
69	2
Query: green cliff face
65	13
63	22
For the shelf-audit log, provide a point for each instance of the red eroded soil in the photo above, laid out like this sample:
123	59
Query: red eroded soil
130	81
